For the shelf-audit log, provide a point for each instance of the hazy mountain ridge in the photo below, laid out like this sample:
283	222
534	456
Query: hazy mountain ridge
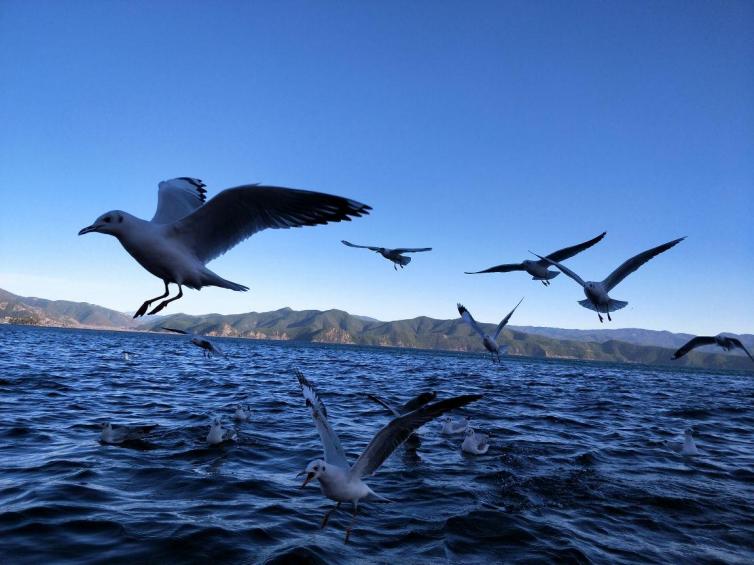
338	326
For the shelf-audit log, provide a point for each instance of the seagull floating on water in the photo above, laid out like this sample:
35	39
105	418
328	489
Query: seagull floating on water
596	292
217	434
127	355
539	269
727	343
114	436
450	427
489	342
186	232
242	413
208	348
475	443
337	479
395	255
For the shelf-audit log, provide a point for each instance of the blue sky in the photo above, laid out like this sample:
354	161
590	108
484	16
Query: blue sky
482	129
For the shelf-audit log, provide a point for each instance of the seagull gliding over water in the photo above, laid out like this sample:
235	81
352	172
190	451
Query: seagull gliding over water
394	255
727	343
186	233
337	479
597	298
538	269
489	342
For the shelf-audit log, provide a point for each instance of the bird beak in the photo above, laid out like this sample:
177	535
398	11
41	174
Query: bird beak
308	478
88	229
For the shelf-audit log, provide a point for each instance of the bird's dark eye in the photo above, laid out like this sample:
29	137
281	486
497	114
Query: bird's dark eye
107	220
120	219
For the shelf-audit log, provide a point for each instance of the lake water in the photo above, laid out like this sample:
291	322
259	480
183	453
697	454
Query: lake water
579	468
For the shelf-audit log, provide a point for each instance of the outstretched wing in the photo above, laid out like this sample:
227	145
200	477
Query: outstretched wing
737	343
175	330
504	321
383	403
505	268
349	244
467	317
568	252
177	198
238	213
412	249
333	450
418	401
693	343
563	269
397	431
635	262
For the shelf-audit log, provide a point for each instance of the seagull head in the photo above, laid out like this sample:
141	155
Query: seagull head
314	470
469	431
111	223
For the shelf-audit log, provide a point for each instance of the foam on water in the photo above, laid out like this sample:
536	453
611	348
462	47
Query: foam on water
579	466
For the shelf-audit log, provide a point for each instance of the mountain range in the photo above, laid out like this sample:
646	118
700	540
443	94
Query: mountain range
337	326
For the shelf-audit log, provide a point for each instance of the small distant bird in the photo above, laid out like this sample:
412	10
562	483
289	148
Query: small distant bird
727	343
187	232
394	255
217	434
208	348
688	447
539	269
242	413
477	444
114	436
127	355
450	427
337	479
489	342
597	298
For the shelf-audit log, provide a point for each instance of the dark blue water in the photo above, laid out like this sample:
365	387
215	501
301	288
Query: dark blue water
579	469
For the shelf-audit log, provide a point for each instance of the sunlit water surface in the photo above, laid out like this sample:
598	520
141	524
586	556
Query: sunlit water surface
580	468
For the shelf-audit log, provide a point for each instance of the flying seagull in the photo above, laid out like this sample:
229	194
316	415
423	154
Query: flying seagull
209	349
727	343
489	342
395	255
539	269
597	298
337	479
186	232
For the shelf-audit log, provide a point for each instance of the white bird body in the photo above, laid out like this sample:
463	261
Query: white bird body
449	427
477	444
186	232
689	446
538	271
596	292
341	482
217	434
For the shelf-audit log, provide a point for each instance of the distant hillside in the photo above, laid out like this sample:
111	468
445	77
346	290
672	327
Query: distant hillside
59	313
337	326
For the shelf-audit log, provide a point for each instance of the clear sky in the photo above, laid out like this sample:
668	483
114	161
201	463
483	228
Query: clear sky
482	129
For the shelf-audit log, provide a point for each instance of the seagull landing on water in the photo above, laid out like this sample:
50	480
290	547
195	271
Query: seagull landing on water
337	479
186	233
727	343
597	298
489	342
208	348
539	269
395	255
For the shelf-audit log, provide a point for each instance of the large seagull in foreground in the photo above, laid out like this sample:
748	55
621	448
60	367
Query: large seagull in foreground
597	298
539	269
186	232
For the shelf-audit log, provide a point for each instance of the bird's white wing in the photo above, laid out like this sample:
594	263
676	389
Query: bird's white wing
333	450
563	269
467	317
177	198
237	213
504	321
397	431
349	244
635	262
693	343
412	249
568	252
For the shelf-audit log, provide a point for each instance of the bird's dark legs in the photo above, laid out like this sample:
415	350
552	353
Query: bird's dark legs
327	514
608	316
164	303
395	266
353	521
599	316
141	311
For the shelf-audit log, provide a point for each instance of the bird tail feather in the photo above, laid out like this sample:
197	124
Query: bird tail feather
212	279
404	260
612	305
